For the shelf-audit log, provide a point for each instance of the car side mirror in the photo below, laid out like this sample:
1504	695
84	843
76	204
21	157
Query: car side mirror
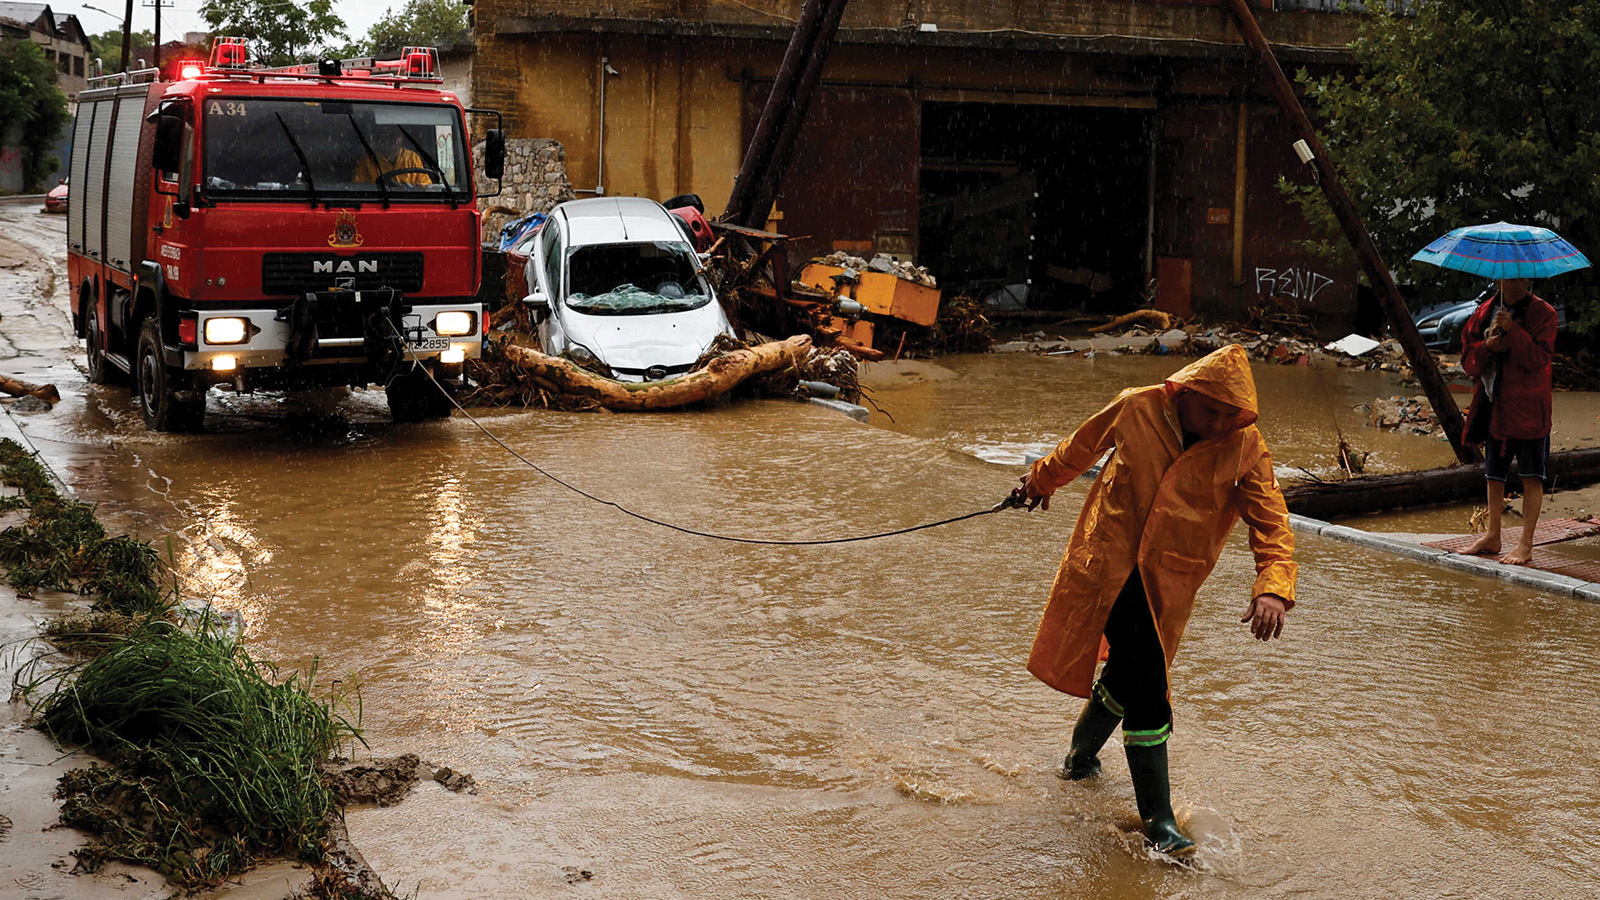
180	208
494	154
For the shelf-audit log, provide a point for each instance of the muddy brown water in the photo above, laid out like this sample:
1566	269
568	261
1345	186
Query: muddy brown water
686	718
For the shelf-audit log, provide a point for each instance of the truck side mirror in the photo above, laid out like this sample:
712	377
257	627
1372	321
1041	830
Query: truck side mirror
494	154
168	153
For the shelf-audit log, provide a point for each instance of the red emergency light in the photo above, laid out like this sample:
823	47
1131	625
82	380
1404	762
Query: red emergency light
420	62
229	53
190	69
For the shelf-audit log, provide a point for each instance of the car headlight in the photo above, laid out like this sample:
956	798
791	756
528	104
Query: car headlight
227	330
581	354
455	323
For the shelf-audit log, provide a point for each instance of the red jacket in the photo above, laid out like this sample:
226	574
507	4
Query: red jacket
1522	394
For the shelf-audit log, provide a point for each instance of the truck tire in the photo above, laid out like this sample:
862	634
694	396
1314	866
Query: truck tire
101	371
155	388
413	397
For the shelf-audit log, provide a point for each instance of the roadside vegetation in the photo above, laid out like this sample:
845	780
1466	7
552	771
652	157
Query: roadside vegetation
214	760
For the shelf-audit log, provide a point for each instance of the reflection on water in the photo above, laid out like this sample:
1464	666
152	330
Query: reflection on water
693	719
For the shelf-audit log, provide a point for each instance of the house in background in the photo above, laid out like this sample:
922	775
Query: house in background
66	46
1089	150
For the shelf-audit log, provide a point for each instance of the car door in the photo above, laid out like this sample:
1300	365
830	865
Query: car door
550	268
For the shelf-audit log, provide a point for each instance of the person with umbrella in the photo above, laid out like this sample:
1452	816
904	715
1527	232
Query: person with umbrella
1506	346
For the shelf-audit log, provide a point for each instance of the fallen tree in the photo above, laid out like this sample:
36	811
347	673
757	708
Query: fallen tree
1452	484
16	387
719	376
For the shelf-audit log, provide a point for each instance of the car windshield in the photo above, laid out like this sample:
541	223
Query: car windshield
260	149
634	279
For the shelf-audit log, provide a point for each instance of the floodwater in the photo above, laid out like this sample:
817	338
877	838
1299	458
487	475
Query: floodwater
684	718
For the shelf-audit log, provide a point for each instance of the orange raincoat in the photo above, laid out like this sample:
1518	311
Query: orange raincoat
1162	508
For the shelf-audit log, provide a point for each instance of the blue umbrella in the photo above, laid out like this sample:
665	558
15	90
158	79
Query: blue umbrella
1504	250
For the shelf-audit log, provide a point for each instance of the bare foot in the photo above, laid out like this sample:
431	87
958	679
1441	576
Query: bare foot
1488	543
1520	555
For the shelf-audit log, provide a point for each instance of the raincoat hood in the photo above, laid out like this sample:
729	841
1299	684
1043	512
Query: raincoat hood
1222	375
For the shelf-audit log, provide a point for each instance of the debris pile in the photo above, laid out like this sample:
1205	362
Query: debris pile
1408	415
882	263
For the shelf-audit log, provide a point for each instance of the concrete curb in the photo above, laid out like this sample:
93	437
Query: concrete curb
1477	565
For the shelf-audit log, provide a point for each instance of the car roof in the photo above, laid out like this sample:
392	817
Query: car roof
613	220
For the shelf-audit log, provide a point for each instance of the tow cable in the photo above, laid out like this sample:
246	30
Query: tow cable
1012	501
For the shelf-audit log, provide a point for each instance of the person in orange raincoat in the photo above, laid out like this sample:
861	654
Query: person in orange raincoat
1188	462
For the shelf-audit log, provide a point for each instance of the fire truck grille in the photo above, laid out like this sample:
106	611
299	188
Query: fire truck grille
298	273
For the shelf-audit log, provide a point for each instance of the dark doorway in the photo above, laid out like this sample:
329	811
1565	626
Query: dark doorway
1053	197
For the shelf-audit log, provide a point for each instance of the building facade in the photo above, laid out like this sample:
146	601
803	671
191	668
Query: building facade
61	38
1093	152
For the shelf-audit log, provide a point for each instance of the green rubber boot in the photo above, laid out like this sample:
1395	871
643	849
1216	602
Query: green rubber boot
1147	763
1099	719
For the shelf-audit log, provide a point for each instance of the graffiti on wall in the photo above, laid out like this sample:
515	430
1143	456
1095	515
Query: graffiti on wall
1300	283
11	169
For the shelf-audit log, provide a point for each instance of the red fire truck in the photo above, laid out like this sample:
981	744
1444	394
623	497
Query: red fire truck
287	228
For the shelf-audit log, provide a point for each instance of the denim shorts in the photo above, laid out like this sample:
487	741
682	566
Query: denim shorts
1532	456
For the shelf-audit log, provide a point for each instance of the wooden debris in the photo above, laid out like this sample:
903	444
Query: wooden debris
18	388
1453	484
717	378
1149	318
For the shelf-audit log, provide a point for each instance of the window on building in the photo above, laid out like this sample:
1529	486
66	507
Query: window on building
77	66
64	62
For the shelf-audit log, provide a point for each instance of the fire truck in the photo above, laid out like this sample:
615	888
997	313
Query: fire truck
276	228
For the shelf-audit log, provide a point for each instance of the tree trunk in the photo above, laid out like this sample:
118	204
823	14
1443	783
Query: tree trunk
18	388
718	377
1454	484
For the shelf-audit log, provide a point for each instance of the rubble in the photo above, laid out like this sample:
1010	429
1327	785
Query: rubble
881	263
1408	415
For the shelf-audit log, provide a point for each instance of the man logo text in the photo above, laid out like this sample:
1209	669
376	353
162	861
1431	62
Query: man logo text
345	266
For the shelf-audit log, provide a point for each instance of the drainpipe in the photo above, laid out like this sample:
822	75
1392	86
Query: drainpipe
1239	194
599	188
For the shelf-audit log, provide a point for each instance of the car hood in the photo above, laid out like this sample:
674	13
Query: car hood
641	341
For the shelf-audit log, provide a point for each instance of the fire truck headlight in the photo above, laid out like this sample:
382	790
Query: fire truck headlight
454	324
454	356
224	363
227	330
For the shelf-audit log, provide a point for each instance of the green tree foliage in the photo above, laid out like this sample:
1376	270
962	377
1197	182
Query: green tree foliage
281	31
107	47
1466	112
424	23
31	104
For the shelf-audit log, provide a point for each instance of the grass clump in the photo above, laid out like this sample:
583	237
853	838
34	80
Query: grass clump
217	759
62	546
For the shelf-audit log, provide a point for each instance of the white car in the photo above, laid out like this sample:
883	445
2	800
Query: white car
616	286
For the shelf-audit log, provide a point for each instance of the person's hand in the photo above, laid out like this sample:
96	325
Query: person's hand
1031	494
1502	320
1495	339
1265	616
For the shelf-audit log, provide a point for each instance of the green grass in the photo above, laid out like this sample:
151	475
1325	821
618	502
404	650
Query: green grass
214	756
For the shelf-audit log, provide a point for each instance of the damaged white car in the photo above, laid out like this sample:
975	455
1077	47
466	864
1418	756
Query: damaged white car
617	287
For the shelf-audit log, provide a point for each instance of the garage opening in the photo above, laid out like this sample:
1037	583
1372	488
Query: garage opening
1033	205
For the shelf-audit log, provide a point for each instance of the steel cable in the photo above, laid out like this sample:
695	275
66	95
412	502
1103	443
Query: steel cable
679	528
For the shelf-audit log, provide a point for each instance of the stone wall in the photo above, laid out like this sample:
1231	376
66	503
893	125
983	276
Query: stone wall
535	181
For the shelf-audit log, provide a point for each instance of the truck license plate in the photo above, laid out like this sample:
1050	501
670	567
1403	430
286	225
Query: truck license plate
427	344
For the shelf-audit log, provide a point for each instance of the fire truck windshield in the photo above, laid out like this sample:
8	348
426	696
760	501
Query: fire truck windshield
275	149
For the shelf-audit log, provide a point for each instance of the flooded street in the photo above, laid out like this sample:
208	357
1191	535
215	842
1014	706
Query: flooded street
690	718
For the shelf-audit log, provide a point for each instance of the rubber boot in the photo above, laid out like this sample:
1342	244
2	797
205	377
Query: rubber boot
1153	792
1094	728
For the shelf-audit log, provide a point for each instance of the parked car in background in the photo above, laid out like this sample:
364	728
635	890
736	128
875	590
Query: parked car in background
56	200
1441	324
616	286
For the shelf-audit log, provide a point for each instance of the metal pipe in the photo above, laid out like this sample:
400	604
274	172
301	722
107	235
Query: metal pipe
599	188
1239	193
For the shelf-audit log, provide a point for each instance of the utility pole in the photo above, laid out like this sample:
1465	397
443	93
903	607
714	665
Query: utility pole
157	4
1344	209
127	35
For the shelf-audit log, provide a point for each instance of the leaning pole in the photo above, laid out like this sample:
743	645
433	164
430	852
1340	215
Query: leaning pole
1394	306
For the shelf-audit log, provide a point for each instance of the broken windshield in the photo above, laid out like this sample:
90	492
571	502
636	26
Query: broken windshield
275	149
634	279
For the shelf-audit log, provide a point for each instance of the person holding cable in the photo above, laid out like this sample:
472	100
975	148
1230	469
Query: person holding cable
1507	345
1187	463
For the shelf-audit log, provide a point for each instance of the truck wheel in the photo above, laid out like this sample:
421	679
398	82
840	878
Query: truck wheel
155	386
101	371
414	397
